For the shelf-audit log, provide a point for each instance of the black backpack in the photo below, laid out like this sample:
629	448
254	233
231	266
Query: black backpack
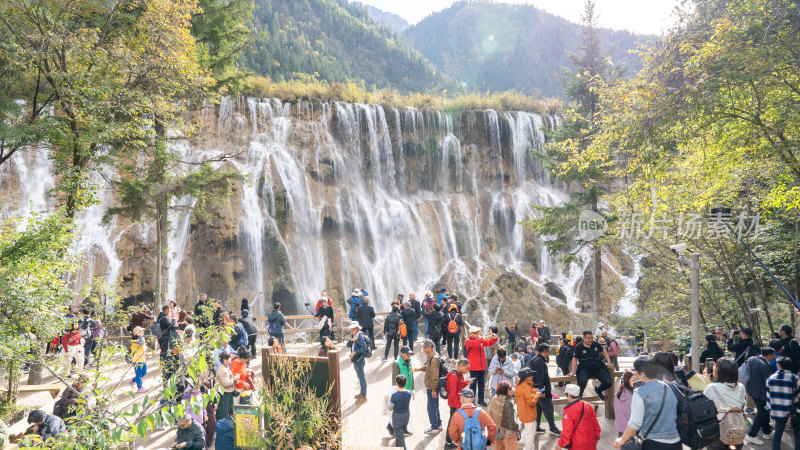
697	417
441	385
368	341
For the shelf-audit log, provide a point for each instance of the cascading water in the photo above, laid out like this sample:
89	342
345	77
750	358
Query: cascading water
339	196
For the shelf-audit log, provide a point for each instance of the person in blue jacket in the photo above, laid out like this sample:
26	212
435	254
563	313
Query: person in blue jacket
358	356
356	300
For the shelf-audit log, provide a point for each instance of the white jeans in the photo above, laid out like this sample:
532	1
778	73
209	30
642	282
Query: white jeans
528	434
76	352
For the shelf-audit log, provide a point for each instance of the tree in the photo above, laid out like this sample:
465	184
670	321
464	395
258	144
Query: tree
107	68
564	156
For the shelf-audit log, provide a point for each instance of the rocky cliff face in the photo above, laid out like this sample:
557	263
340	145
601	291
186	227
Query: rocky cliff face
340	196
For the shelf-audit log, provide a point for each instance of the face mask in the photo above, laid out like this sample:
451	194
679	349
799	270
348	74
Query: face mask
324	298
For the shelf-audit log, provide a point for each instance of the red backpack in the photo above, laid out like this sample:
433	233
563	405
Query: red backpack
452	326
402	329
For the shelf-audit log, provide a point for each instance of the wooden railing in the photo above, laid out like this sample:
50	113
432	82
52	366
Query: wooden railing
609	394
303	328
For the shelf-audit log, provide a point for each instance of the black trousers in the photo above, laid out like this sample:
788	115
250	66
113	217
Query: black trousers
370	332
649	444
453	341
163	345
446	434
600	374
251	342
389	341
478	384
545	405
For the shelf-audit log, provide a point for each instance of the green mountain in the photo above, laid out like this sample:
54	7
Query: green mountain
498	46
337	40
391	20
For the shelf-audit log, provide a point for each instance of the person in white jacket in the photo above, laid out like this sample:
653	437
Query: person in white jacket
501	368
728	396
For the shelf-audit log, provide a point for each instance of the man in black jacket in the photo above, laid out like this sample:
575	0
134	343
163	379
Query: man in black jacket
409	318
756	386
190	434
390	330
364	316
199	310
791	349
541	379
741	348
166	331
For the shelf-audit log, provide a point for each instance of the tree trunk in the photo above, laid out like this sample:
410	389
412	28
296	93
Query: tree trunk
35	375
598	265
162	258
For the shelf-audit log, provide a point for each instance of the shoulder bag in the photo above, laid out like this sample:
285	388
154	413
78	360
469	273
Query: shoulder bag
635	443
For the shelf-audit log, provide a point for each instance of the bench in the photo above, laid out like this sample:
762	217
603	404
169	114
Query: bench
53	389
594	401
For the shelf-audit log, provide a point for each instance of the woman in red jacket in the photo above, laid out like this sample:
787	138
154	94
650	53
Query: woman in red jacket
534	333
474	348
581	429
72	347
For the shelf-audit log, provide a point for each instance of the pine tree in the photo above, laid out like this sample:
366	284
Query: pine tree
564	155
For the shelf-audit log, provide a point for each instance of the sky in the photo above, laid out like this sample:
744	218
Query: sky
641	16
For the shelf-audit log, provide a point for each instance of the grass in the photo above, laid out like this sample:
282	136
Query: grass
306	87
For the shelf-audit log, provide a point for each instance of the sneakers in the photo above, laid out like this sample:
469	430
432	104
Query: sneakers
555	431
141	390
431	430
391	430
753	440
767	436
601	396
361	400
408	433
384	359
540	430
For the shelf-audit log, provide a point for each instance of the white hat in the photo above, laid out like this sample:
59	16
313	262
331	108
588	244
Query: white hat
474	329
601	325
354	325
573	390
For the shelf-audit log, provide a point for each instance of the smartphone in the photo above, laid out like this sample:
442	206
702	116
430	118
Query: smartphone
710	366
541	390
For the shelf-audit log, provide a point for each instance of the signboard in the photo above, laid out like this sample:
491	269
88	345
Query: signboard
245	426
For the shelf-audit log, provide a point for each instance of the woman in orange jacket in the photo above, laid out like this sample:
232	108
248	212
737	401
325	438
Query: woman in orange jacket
527	397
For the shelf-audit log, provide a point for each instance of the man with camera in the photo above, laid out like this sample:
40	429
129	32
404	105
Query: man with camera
743	349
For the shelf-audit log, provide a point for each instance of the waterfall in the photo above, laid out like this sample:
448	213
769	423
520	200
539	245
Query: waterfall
339	196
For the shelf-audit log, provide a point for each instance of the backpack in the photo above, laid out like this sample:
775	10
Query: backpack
403	329
697	421
473	438
97	331
753	350
452	325
155	329
273	328
744	372
87	332
732	428
241	335
355	302
441	385
443	369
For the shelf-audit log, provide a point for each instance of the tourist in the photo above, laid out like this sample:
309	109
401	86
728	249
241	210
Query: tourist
490	350
391	329
581	428
174	312
713	351
3	434
564	357
441	299
665	365
403	366
592	361
512	337
654	411
244	382
541	381
501	368
544	332
251	330
244	305
474	347
365	317
741	349
73	399
780	350
728	396
323	300
415	305
782	388
503	414
432	369
453	300
202	314
409	317
517	362
456	382
190	434
358	356
452	330
354	301
401	413
527	397
277	321
138	318
792	348
44	425
190	326
276	347
756	387
72	347
238	337
218	313
224	347
601	327
87	332
164	340
193	400
427	307
325	316
457	429
138	354
534	333
613	350
227	380
435	321
623	400
325	347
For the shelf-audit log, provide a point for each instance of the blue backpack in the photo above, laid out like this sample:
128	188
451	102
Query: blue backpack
473	438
